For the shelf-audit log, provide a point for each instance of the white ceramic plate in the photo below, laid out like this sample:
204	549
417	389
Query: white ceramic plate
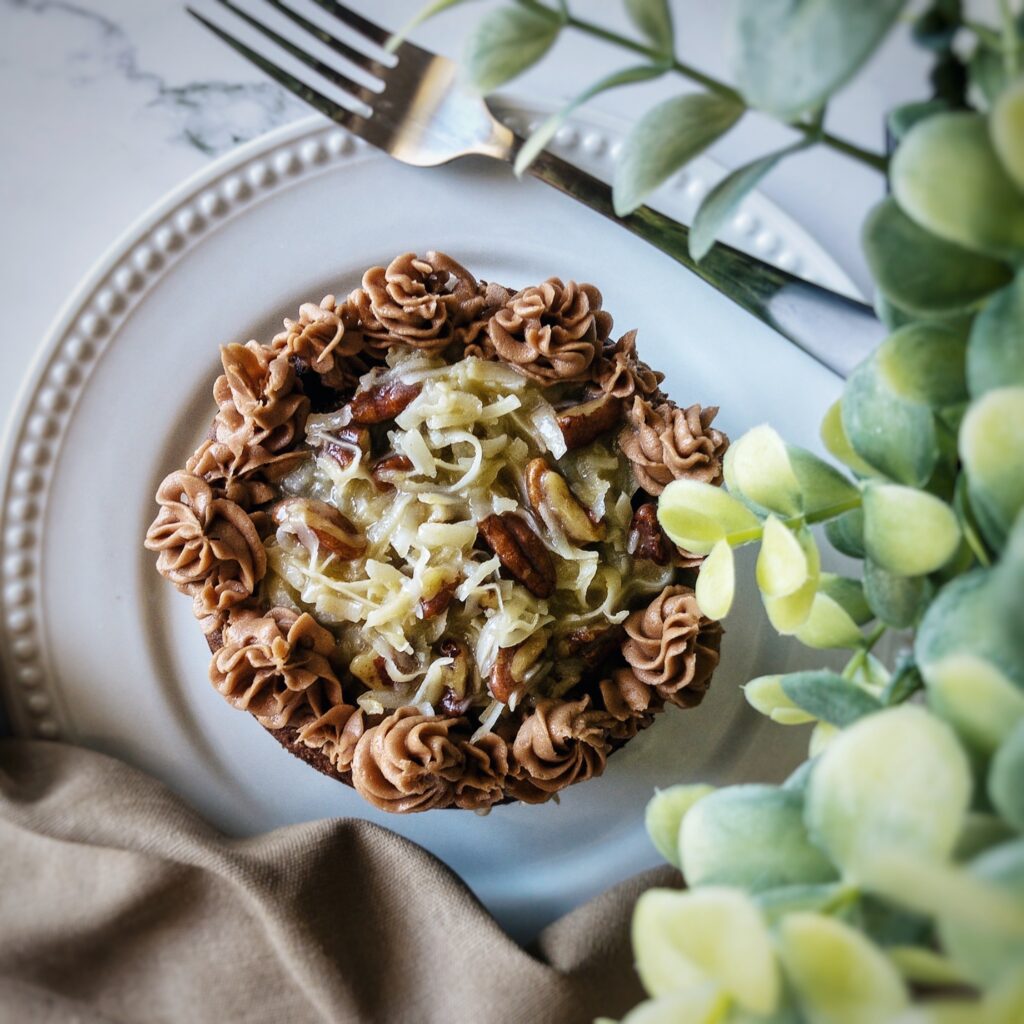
98	650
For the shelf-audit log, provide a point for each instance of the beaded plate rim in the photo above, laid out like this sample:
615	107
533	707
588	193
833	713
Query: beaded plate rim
90	319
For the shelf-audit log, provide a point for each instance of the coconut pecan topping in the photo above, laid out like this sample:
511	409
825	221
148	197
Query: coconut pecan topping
520	551
551	332
665	443
276	667
671	645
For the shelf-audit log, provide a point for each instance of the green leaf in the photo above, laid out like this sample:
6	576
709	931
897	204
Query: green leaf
995	349
665	139
1006	123
833	436
829	697
889	431
782	567
789	56
724	199
901	119
942	277
978	206
665	813
924	966
424	14
751	837
992	452
986	73
893	781
905	682
848	594
980	833
846	533
713	934
987	952
898	601
757	466
906	531
696	516
699	1004
654	19
765	694
925	363
535	144
1006	778
506	42
838	975
823	489
777	904
716	582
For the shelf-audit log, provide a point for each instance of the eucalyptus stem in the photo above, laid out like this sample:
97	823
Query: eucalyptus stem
819	515
1011	42
874	160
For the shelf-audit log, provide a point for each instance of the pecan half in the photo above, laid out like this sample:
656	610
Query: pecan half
646	537
387	467
456	674
308	517
520	551
429	607
581	424
591	644
451	705
512	665
549	493
342	450
382	402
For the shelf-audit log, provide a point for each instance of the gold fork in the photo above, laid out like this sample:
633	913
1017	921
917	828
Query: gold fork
423	114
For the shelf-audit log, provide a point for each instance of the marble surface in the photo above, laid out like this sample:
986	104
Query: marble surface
110	103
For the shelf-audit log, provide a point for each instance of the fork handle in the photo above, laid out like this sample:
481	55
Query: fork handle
837	331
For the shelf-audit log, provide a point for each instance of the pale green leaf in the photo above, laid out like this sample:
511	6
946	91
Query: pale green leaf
995	349
506	42
789	612
752	837
898	601
906	531
978	206
665	139
889	431
789	56
829	697
664	815
986	73
848	594
828	625
546	131
697	515
757	466
838	975
700	1004
924	966
942	277
716	582
893	781
654	19
782	566
765	694
1006	778
992	452
682	939
1006	123
424	14
724	199
822	736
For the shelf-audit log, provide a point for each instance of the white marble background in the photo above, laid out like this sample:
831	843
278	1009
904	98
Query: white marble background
107	104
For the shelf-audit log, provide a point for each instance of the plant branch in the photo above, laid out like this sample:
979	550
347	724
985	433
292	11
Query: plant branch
1011	42
874	160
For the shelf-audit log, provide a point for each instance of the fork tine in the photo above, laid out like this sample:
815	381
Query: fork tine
360	92
337	45
335	111
355	21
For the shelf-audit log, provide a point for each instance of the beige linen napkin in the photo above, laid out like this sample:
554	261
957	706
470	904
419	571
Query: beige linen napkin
118	903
